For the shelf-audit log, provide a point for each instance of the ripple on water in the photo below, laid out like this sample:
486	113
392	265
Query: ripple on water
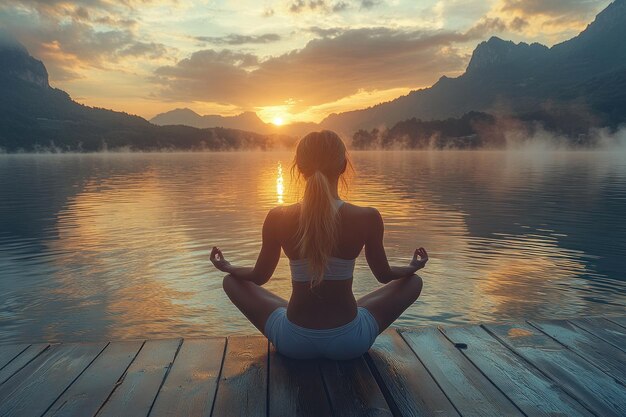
116	246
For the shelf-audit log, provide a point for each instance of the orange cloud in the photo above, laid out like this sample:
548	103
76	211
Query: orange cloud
325	70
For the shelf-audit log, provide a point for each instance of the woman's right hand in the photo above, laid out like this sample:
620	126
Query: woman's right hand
217	257
420	257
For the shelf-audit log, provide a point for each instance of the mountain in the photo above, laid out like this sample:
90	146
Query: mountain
584	76
37	117
244	121
17	63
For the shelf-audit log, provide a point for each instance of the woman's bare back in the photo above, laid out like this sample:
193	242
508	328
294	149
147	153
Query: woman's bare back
331	303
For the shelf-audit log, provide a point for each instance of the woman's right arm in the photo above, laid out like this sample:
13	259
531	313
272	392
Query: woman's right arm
377	258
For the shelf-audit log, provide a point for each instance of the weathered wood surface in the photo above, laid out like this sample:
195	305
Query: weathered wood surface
541	368
20	361
92	388
242	389
296	387
603	355
7	353
604	329
141	382
525	385
582	380
37	385
352	389
189	389
466	387
409	388
618	320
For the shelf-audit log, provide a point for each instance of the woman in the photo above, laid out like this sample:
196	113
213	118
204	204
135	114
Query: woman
322	235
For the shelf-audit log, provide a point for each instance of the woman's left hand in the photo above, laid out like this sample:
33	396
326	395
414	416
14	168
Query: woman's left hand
218	260
420	257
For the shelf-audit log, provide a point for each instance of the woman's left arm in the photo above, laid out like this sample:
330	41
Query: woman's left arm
267	260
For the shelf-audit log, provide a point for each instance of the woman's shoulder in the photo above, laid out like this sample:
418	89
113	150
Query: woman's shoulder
360	213
283	210
361	209
290	209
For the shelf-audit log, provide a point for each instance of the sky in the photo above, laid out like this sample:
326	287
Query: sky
289	60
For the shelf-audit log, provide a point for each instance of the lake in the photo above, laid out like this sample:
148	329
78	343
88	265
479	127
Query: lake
116	246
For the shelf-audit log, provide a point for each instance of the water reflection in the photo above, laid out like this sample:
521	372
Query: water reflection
280	184
116	246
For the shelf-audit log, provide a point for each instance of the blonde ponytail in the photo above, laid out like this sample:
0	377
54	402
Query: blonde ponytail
318	229
321	157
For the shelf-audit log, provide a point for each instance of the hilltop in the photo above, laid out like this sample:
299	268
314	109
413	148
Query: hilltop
584	76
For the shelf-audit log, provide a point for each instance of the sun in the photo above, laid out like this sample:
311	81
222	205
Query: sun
278	121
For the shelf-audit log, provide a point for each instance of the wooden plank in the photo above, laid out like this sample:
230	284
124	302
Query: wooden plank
408	387
242	390
296	387
141	382
34	388
603	355
592	387
621	320
468	389
608	331
21	360
352	389
189	389
528	388
87	394
9	352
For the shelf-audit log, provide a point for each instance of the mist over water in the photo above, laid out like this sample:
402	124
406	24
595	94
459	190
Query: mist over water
113	246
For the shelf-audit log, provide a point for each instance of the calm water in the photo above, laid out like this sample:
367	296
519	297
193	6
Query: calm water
112	246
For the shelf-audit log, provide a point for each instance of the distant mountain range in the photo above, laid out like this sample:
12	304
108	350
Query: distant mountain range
569	88
37	117
244	121
188	117
585	75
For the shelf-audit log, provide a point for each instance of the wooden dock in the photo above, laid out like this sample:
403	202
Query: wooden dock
545	368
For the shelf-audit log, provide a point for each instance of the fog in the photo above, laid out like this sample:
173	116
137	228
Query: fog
512	136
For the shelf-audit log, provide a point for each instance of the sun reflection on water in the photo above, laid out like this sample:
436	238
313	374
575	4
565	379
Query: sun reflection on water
280	185
124	254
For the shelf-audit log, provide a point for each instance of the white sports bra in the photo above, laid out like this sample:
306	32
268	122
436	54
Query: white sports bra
337	269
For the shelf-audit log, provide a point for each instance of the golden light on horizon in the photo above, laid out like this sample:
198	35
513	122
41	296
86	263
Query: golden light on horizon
280	184
278	121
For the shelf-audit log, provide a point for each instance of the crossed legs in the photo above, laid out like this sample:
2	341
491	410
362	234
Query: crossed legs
254	301
386	304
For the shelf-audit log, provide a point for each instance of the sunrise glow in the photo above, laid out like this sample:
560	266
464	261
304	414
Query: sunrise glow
280	184
308	59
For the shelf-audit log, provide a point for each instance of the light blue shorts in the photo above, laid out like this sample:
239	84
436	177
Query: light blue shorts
344	342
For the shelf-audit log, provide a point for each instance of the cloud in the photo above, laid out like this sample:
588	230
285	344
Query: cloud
70	37
554	8
368	4
149	49
325	70
114	22
201	60
555	15
67	46
327	7
518	24
234	39
486	26
325	32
